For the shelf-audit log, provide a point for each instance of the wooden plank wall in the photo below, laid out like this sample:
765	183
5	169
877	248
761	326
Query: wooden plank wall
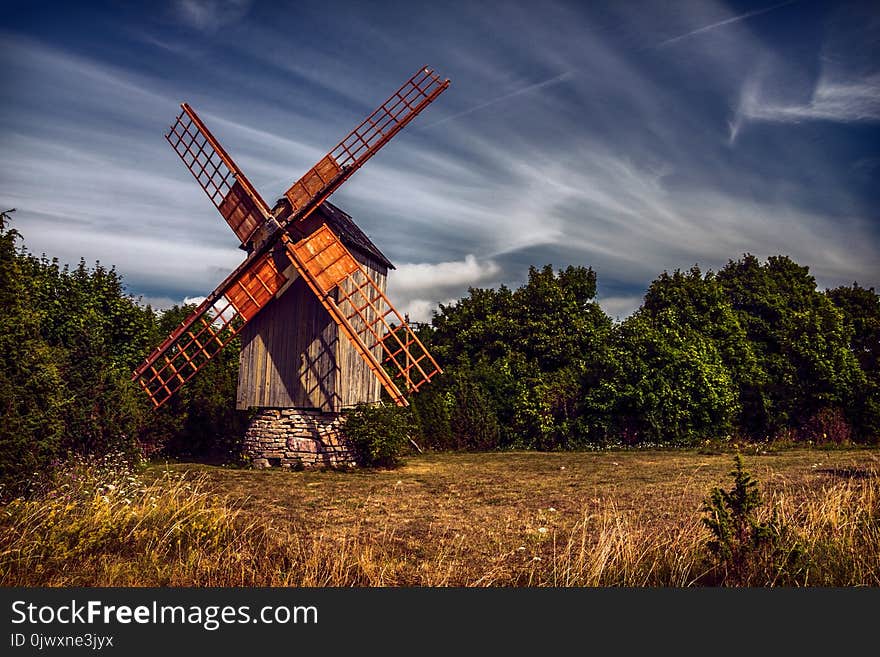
358	383
292	355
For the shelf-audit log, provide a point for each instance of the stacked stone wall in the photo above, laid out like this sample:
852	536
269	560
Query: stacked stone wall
296	438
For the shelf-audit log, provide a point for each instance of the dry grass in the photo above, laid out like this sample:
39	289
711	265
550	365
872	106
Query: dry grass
629	518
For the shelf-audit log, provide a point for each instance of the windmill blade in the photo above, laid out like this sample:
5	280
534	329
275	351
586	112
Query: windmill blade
363	142
224	183
216	321
362	312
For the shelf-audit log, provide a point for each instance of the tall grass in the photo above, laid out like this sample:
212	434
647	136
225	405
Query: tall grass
827	539
100	524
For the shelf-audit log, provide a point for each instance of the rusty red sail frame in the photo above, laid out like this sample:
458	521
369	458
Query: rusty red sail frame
363	142
218	319
362	311
228	188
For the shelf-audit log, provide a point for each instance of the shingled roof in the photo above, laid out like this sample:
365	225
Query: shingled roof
353	237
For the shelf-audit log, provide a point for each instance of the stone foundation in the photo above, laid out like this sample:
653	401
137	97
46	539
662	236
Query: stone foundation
296	438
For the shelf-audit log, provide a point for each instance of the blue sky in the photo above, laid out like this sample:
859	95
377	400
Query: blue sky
634	137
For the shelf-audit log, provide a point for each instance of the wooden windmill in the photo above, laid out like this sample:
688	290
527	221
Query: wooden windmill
309	300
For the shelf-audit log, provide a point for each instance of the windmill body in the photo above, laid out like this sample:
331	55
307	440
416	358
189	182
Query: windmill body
292	352
318	332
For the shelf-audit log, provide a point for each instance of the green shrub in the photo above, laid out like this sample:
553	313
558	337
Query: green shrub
378	434
430	413
748	550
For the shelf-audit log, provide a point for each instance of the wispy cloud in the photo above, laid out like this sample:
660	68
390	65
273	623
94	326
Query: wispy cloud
843	101
726	21
210	15
621	163
513	94
835	100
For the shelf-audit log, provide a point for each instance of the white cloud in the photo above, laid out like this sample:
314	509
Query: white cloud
619	308
411	277
209	15
422	310
417	288
832	100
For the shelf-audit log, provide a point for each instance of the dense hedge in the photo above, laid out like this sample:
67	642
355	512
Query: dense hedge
69	340
752	352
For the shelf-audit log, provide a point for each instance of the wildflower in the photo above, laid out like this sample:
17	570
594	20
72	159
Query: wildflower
536	558
543	530
551	509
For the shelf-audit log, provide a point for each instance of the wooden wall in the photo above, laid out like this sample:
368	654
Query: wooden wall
292	355
359	384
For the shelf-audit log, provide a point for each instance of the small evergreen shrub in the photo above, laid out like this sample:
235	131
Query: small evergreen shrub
378	434
747	549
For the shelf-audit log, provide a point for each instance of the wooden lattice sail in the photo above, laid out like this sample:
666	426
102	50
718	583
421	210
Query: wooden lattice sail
224	183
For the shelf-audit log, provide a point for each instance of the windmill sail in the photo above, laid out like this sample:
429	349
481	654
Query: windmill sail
211	326
362	312
363	142
224	183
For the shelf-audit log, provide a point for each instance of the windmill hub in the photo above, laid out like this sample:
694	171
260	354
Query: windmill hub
264	233
318	334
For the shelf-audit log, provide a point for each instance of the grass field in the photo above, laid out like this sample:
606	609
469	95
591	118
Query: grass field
628	518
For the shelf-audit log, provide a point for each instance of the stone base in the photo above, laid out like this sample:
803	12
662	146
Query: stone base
296	438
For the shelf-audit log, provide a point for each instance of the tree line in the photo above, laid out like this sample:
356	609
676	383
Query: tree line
753	351
69	340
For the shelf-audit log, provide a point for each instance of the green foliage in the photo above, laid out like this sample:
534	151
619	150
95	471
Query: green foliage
31	396
754	351
472	421
800	340
730	516
430	413
200	420
517	361
861	313
378	434
69	340
670	384
99	334
699	304
743	545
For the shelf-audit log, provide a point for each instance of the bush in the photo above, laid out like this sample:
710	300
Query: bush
378	434
745	547
430	413
829	425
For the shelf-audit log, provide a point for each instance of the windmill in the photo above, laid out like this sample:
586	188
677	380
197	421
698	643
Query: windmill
318	332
